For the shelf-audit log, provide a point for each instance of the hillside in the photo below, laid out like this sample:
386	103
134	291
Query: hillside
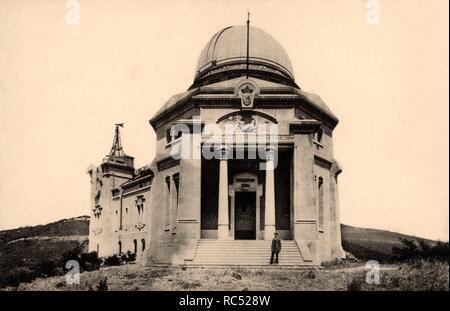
367	244
27	247
77	226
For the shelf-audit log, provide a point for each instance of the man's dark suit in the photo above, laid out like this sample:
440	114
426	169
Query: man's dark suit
276	248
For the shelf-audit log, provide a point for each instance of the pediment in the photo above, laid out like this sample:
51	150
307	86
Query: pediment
246	121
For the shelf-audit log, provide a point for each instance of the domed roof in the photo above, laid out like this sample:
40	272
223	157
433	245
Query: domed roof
227	50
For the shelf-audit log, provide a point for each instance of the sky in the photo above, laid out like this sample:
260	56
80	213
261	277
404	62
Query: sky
64	86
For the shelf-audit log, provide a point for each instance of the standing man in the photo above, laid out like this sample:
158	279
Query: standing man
276	248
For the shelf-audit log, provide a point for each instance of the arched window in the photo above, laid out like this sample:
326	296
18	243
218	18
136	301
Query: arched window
135	246
321	207
143	245
140	200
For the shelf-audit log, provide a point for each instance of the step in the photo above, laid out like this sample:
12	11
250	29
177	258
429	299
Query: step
245	253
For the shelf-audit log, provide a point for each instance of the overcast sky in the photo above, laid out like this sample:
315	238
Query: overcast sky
62	88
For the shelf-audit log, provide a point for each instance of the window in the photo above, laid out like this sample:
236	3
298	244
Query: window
167	205
176	179
97	207
174	201
321	207
120	247
168	136
143	245
97	198
135	246
173	134
317	138
140	200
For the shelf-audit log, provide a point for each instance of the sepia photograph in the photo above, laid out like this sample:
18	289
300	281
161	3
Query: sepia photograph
207	148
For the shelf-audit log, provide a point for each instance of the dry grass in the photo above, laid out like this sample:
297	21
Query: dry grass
418	276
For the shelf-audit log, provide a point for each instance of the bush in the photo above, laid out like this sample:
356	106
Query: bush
46	269
355	284
364	253
73	254
102	284
410	250
310	274
440	251
113	260
130	257
331	263
117	260
19	275
418	275
127	257
90	261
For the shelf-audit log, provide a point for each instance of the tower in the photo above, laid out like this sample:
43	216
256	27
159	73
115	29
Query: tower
115	169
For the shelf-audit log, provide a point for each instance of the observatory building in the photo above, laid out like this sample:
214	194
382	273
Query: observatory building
244	152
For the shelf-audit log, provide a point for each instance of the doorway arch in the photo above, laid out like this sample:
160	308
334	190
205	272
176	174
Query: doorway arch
245	210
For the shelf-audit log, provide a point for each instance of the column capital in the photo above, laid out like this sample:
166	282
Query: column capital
270	152
224	152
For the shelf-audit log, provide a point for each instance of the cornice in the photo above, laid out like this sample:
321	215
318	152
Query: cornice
213	98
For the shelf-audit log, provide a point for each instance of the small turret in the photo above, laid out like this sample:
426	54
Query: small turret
106	179
117	163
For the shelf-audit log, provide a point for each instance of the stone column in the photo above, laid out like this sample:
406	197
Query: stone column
223	221
269	211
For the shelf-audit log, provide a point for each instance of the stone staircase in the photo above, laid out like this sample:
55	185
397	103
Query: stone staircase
245	253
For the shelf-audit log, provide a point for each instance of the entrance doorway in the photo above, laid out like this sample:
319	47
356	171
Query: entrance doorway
245	216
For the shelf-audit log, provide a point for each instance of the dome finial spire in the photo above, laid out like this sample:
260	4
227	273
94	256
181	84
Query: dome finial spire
117	150
248	41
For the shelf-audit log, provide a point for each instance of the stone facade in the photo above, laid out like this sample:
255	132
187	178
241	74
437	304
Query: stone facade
162	210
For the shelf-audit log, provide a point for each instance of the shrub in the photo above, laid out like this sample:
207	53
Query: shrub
440	251
73	254
331	263
60	284
310	274
128	257
410	250
355	284
131	257
45	269
364	253
102	284
419	275
90	261
113	260
20	275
